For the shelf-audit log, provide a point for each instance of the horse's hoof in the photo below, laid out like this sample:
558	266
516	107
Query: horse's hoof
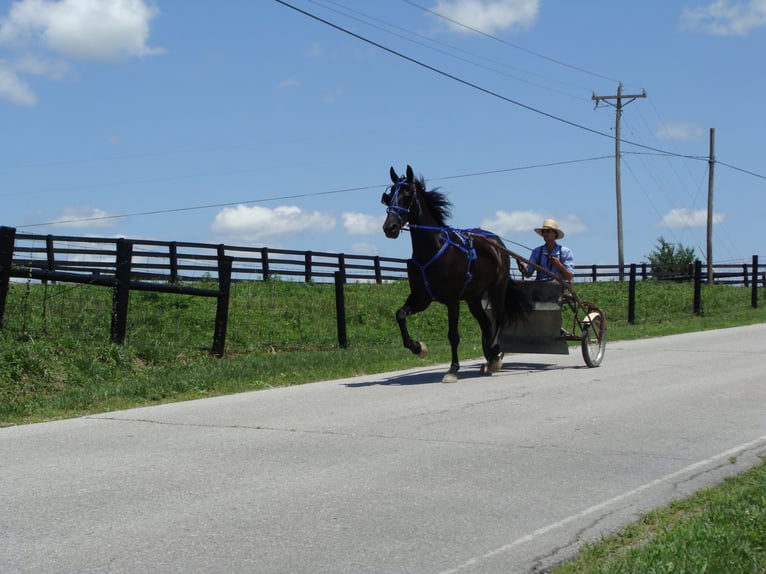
450	378
496	365
423	349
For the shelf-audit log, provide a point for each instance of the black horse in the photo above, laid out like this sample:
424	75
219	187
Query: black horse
449	265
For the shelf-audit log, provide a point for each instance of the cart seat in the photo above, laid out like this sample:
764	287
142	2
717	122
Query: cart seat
542	332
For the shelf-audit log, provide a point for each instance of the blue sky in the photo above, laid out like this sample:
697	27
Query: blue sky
250	123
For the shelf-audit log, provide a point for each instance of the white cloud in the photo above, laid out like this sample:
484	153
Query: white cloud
726	17
83	217
489	16
101	30
332	96
361	224
680	130
315	51
361	248
682	218
505	222
289	83
12	88
257	224
44	34
31	64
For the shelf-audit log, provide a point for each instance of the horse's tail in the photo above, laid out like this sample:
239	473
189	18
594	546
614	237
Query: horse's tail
517	304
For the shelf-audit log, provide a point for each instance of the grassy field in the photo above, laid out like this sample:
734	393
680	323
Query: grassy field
56	362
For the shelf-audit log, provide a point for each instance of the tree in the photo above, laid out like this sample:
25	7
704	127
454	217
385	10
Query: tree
671	262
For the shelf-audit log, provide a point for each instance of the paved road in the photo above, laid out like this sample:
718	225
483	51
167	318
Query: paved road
393	473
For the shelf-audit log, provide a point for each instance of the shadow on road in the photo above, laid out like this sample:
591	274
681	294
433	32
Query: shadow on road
428	377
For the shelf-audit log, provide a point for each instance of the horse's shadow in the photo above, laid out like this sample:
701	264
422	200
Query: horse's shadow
429	377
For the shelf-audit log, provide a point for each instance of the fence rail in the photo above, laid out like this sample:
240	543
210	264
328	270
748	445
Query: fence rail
184	262
67	258
175	267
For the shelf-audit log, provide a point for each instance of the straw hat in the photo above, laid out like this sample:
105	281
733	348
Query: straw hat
550	224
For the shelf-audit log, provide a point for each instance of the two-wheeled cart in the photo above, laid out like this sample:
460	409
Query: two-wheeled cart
545	332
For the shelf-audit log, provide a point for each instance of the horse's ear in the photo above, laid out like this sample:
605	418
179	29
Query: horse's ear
410	175
394	177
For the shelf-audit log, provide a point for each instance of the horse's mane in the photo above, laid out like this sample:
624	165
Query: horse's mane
436	202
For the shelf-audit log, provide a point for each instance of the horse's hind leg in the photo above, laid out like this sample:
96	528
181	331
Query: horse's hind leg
490	334
453	334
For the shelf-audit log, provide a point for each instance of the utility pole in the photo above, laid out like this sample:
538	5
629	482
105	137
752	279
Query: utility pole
711	170
617	158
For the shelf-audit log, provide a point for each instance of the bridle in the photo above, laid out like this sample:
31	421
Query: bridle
391	201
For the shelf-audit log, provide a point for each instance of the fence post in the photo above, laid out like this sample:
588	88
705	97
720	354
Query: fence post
265	263
121	295
594	272
307	266
50	252
378	274
632	294
754	286
697	287
340	309
7	241
222	305
342	266
173	254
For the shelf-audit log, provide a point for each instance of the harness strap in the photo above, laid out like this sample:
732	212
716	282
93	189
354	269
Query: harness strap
466	246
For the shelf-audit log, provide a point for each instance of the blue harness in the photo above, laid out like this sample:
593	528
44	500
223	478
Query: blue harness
463	241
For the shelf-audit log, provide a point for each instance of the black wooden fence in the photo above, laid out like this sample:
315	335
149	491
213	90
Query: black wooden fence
127	265
174	267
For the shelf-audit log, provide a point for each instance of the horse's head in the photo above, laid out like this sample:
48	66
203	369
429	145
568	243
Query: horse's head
401	202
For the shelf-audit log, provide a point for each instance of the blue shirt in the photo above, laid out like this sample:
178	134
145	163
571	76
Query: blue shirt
540	257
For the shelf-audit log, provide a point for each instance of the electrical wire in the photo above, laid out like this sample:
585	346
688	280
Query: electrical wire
294	196
510	44
470	84
497	95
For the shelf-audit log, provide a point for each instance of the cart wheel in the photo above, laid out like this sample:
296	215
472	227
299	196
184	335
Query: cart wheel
593	341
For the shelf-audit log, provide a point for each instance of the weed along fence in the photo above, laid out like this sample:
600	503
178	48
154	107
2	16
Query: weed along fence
209	270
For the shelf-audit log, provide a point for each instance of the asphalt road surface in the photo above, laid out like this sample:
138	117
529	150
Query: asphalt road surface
393	473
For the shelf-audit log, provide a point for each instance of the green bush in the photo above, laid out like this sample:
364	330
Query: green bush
671	262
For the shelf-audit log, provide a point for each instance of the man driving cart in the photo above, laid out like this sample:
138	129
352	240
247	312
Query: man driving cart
553	258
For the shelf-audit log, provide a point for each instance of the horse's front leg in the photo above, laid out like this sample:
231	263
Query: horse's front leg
410	307
453	334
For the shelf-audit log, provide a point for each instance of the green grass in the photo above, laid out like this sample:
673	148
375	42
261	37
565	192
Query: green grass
56	362
719	530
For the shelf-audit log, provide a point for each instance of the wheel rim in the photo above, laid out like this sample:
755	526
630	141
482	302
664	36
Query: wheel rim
593	346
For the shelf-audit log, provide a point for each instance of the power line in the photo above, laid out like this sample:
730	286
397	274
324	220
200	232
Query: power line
430	40
500	96
748	172
296	196
553	164
515	46
471	84
197	207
